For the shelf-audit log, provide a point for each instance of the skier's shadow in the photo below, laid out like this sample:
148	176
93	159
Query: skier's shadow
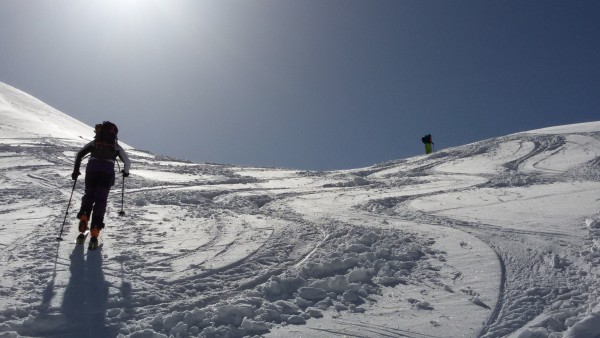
86	296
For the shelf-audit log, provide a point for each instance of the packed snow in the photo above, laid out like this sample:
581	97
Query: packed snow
499	238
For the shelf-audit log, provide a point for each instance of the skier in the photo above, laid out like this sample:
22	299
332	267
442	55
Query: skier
99	178
428	143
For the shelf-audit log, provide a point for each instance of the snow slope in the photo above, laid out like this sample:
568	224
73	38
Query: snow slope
492	239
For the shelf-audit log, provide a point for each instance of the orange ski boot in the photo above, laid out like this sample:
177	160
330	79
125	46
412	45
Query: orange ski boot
83	228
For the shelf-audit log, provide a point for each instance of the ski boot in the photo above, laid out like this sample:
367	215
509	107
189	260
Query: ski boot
94	232
83	228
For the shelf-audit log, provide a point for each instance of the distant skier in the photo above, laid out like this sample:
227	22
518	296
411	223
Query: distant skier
428	143
99	178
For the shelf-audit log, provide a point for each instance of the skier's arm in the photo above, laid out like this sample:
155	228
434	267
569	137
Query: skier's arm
84	151
126	163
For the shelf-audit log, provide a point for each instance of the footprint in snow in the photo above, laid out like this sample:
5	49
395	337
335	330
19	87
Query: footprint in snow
475	300
422	305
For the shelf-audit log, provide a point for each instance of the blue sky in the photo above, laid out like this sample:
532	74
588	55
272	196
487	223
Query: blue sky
306	84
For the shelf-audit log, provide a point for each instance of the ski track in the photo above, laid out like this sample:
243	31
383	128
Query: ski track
59	289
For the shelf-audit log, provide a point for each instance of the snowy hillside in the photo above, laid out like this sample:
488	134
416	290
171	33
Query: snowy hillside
492	239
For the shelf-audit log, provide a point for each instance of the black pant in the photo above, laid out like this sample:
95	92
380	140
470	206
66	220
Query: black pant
97	188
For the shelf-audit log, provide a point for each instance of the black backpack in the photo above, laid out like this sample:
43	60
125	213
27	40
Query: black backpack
105	141
426	139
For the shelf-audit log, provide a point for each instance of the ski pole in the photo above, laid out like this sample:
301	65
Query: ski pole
59	238
122	212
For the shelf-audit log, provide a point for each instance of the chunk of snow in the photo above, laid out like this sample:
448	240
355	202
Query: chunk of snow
312	293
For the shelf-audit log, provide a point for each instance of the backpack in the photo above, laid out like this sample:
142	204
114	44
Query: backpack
426	139
105	141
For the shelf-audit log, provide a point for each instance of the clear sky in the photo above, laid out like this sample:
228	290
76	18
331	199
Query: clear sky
306	84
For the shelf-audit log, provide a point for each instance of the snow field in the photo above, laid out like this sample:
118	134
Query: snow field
498	238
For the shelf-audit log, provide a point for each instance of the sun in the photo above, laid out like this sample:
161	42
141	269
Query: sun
123	9
129	5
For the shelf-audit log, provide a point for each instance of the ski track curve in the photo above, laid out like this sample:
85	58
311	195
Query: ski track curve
531	279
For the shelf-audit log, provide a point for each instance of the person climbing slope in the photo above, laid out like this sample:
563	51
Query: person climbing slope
427	140
99	178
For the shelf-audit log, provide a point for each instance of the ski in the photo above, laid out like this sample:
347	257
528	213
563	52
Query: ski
93	243
81	238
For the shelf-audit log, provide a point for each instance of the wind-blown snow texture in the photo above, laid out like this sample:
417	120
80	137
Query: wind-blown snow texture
492	239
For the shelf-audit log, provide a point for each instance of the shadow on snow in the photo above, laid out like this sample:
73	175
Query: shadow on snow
84	305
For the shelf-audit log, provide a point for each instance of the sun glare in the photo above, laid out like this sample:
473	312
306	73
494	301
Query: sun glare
123	9
129	5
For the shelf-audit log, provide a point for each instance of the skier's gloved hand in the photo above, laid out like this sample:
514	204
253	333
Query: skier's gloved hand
125	174
75	174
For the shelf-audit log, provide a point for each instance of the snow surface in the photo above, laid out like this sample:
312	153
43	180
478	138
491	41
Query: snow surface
499	238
